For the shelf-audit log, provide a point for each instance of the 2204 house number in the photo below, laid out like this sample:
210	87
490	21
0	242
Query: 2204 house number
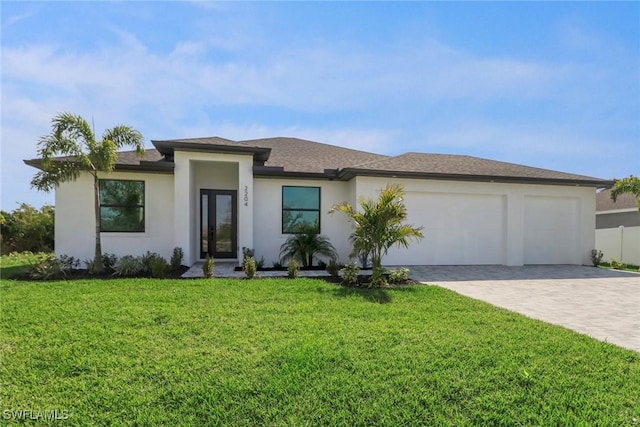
246	195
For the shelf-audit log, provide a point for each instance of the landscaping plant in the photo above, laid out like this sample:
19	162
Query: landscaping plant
596	257
380	224
208	266
399	275
350	274
305	245
293	269
176	258
249	267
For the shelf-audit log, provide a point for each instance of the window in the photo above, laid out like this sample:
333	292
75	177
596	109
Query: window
121	206
300	205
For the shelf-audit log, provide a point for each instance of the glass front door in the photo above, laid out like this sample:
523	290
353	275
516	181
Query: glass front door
218	223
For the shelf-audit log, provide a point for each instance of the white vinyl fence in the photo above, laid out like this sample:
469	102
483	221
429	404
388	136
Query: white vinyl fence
622	243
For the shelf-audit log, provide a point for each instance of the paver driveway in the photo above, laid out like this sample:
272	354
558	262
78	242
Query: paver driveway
601	303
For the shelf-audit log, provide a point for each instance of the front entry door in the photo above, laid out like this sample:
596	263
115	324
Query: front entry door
218	223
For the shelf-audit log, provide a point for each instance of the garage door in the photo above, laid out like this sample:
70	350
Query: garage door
459	229
550	230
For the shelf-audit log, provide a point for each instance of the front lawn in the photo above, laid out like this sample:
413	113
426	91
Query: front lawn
298	352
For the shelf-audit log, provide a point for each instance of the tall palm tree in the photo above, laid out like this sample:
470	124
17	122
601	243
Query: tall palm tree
71	148
380	225
629	185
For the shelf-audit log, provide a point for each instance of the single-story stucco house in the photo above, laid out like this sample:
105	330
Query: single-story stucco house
214	195
618	227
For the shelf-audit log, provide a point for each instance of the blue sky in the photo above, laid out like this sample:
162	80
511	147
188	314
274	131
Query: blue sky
552	85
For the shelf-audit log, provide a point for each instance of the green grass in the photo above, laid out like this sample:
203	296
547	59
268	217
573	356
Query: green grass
15	263
298	352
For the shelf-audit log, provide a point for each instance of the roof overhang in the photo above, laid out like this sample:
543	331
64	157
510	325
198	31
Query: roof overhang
260	171
167	148
143	166
349	173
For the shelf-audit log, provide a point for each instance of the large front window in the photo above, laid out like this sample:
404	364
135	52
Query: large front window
300	205
121	206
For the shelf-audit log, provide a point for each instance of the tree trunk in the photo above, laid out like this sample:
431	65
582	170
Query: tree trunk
98	267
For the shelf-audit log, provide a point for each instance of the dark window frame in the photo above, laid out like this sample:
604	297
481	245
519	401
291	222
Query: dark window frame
112	205
283	208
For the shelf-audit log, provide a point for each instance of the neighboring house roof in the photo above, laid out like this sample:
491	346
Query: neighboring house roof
293	157
623	201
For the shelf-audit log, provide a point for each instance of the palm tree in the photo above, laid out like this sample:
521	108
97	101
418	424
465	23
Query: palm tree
72	148
629	185
305	244
380	224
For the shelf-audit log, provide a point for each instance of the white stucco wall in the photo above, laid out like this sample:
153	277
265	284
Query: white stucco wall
464	222
493	223
75	224
268	216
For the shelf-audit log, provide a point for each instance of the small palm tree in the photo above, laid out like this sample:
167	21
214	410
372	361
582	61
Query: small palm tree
629	185
305	245
380	224
71	148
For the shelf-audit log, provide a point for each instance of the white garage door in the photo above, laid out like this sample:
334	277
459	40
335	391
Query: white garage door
551	231
459	229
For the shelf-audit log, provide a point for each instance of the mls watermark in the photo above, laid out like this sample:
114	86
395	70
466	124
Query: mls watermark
35	414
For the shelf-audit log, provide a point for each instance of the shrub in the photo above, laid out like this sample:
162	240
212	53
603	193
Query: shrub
208	266
158	267
399	275
333	268
88	263
378	279
129	266
68	262
247	253
249	267
292	269
618	265
596	257
109	262
49	267
147	259
277	265
350	274
176	258
260	263
305	244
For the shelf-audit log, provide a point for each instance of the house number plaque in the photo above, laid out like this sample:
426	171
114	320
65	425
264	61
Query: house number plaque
246	195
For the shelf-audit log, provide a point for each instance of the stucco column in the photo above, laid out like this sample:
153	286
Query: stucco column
245	205
515	229
183	206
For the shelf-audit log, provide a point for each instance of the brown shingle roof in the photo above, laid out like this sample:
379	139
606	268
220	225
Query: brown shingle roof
131	157
624	201
451	165
299	155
